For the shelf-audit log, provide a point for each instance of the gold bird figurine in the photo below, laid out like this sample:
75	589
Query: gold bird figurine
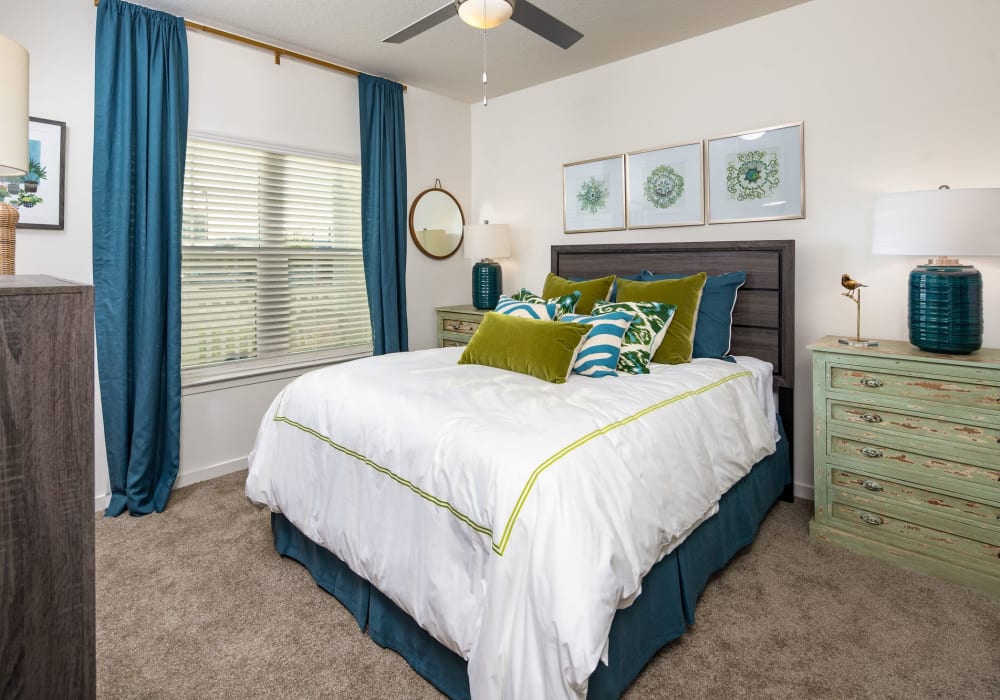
851	284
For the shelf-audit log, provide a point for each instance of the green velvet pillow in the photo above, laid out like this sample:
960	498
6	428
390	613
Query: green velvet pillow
685	294
590	290
542	349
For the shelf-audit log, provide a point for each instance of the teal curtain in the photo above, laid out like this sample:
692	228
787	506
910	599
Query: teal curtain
140	136
383	209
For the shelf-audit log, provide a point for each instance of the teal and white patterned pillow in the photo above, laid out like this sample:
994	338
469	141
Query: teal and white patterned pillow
524	309
564	305
598	356
644	334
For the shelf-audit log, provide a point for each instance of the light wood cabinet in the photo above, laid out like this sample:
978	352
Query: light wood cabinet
46	489
907	457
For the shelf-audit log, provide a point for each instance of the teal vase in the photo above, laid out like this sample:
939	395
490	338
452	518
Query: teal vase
946	308
487	281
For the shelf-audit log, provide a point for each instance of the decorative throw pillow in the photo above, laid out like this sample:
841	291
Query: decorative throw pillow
685	294
523	309
542	349
645	333
590	290
614	285
603	346
714	327
564	305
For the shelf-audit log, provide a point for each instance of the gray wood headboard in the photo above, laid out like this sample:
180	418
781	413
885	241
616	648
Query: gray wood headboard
764	316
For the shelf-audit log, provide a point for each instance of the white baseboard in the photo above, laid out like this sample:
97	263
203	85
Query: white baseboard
188	477
804	491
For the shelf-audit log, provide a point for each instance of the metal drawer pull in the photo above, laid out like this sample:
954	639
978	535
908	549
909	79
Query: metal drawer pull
872	485
875	383
871	519
871	452
871	418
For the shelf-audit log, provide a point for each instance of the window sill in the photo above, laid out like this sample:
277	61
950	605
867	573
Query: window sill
217	378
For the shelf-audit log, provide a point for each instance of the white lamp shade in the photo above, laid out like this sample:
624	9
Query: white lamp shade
487	241
957	223
13	109
485	14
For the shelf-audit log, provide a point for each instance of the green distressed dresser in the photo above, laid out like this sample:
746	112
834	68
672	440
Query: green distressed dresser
907	457
456	324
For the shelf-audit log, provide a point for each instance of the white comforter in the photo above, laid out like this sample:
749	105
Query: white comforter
508	516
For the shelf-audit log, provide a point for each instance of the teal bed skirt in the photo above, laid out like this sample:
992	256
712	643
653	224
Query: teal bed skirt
659	615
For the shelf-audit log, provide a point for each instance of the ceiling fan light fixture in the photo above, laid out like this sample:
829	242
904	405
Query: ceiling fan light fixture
485	14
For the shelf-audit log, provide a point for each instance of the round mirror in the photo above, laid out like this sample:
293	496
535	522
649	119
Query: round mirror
436	222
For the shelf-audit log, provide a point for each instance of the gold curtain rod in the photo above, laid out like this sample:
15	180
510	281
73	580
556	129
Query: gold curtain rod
276	50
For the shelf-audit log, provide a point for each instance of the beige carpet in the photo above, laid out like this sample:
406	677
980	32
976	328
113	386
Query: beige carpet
195	603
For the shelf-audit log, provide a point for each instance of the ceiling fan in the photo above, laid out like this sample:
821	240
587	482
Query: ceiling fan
486	14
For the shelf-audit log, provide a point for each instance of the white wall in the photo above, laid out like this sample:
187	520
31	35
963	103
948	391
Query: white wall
895	95
238	92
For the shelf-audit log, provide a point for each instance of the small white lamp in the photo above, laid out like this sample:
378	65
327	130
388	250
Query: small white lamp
13	139
946	298
484	242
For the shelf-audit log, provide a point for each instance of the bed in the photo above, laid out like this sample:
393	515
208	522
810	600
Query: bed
534	568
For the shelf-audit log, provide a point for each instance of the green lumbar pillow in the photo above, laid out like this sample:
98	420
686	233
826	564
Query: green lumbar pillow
685	294
542	349
590	290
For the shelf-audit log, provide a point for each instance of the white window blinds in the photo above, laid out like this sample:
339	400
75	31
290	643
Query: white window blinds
272	264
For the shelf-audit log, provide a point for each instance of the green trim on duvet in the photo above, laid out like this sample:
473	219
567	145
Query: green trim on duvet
501	546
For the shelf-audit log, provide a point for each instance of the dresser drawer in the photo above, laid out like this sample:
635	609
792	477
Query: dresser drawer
860	489
458	325
946	391
918	467
891	420
876	524
449	343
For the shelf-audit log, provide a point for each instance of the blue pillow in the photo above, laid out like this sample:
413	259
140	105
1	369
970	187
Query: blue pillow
601	349
614	285
714	328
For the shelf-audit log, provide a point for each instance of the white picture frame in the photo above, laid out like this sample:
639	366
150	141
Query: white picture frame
665	187
756	175
594	195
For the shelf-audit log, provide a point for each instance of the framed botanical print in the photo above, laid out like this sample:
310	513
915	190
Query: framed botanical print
664	187
594	195
756	175
39	195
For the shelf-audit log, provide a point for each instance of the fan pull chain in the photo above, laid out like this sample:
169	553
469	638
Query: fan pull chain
485	101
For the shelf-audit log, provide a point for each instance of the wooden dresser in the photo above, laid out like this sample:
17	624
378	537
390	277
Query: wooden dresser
46	489
456	324
907	457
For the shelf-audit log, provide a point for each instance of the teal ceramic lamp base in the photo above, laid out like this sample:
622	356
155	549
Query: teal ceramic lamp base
487	281
946	308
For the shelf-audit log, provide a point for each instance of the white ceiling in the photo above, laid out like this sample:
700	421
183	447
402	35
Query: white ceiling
447	59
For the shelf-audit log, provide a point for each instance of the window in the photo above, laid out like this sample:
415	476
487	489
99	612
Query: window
272	271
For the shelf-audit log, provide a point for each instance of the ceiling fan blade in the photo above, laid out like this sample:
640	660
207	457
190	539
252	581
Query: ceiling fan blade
422	25
545	25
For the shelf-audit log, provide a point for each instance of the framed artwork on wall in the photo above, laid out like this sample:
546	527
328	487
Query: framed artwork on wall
39	194
664	187
594	195
756	175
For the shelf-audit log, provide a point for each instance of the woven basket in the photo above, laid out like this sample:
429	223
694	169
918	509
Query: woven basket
8	228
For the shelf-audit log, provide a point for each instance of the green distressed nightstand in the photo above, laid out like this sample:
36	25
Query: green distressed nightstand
907	457
456	324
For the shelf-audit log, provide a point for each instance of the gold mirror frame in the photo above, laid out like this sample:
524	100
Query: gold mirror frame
421	245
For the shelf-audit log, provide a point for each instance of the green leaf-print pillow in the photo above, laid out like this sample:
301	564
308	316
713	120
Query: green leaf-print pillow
644	334
564	304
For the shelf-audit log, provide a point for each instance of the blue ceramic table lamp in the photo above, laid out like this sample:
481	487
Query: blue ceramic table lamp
484	242
946	297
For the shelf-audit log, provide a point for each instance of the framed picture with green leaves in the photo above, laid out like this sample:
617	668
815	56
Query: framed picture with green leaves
38	195
594	195
757	175
663	187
